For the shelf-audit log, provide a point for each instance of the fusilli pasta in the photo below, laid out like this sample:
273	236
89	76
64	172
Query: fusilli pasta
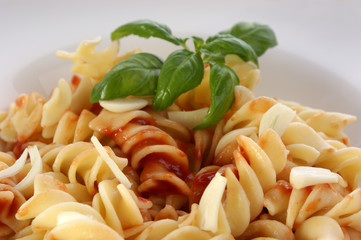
270	169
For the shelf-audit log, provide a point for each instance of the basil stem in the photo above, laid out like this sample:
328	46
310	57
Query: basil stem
222	82
181	71
146	29
197	42
220	45
136	75
260	37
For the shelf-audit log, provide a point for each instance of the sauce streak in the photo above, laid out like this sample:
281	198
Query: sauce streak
200	183
75	81
166	161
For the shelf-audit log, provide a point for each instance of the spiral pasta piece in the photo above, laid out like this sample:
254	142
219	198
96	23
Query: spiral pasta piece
52	210
303	203
196	224
249	114
319	227
240	216
248	120
231	218
22	173
347	212
77	226
267	229
82	163
11	200
256	186
187	226
245	194
329	200
55	107
258	161
73	128
23	118
45	195
118	208
65	117
90	63
164	165
331	124
346	162
307	147
243	200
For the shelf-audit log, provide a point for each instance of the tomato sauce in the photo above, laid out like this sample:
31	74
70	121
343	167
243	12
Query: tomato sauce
200	183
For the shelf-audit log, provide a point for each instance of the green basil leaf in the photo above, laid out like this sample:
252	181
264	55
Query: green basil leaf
220	45
136	75
259	36
181	71
222	82
146	29
198	42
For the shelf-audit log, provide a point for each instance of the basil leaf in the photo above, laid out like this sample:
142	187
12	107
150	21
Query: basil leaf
220	45
136	75
146	29
181	71
197	42
222	82
259	36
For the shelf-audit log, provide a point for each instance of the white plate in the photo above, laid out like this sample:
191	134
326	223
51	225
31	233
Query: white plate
316	62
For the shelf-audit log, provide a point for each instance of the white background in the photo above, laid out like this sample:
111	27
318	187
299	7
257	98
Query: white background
317	61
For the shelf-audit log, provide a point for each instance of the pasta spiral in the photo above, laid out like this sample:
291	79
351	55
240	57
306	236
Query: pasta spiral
74	168
22	121
11	200
334	203
81	164
345	161
307	146
55	212
164	167
63	118
331	124
67	108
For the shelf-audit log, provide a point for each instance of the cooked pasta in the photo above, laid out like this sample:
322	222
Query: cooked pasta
270	169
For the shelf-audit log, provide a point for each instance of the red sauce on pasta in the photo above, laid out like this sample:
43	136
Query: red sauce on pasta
173	163
202	180
75	81
108	131
166	161
163	188
200	183
183	146
20	101
96	108
18	149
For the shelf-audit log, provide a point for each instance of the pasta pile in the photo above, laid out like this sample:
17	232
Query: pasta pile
270	169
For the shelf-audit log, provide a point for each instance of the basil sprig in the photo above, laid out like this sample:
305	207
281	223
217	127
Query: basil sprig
222	82
146	29
220	45
260	37
144	74
181	72
137	75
